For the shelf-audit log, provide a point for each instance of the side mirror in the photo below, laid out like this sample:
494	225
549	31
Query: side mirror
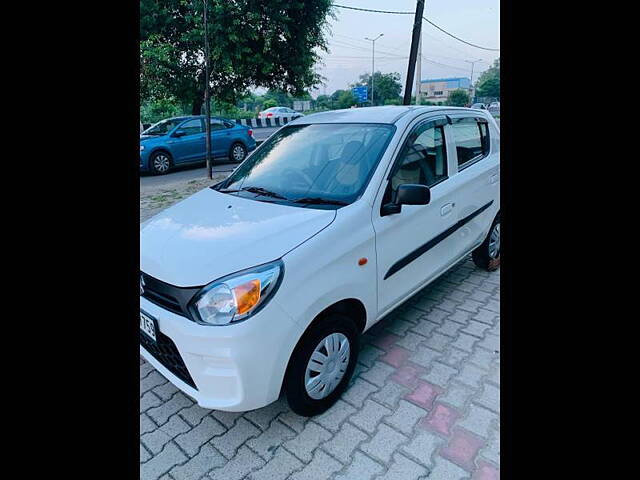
408	194
179	133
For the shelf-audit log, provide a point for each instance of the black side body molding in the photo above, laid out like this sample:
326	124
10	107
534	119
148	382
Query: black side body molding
404	261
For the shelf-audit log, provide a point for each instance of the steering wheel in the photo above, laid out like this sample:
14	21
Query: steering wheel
297	178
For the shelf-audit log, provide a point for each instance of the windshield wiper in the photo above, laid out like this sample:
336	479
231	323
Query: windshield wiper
320	201
259	190
264	192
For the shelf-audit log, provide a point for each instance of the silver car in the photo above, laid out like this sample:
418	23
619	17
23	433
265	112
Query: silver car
279	112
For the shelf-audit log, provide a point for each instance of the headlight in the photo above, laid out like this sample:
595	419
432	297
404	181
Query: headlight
141	147
238	296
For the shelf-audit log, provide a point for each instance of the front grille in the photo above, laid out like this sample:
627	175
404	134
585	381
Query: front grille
167	296
166	352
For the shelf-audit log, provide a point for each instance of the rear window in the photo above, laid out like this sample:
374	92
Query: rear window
472	140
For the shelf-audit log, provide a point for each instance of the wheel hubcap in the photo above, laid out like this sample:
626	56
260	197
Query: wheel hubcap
327	366
161	163
238	153
494	242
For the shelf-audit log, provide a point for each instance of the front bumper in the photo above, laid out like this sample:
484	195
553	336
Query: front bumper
235	367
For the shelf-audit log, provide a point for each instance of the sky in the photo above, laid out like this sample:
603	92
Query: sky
476	21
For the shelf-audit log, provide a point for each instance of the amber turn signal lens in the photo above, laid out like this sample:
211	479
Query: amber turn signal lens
362	261
247	296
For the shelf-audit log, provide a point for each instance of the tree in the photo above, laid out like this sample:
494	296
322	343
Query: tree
270	102
323	102
488	84
458	98
155	110
268	43
344	99
386	86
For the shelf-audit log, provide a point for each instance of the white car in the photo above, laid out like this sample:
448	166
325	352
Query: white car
264	282
279	112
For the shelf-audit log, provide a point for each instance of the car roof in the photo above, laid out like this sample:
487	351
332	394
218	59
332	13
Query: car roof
387	114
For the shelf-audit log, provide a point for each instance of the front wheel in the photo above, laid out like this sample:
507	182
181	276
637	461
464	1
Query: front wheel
322	365
238	152
160	163
487	255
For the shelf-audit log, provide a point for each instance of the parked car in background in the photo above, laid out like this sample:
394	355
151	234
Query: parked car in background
181	140
279	112
264	282
480	106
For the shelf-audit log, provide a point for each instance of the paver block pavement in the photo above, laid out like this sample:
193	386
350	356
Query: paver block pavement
424	403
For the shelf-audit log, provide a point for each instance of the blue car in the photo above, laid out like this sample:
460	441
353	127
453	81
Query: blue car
181	141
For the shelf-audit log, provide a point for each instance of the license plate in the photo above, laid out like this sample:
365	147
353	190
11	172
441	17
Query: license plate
148	326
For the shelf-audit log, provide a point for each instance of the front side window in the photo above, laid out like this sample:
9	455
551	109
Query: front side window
163	127
317	165
472	140
191	127
423	159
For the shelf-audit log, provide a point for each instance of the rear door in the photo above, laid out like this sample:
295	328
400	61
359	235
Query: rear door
190	146
475	178
221	137
412	247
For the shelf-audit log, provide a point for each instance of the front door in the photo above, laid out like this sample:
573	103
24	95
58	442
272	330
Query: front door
413	246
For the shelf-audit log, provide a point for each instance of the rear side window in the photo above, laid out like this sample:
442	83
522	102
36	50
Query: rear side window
472	140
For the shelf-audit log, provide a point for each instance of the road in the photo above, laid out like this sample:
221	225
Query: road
184	174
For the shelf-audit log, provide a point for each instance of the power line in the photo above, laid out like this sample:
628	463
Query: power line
374	11
459	39
424	18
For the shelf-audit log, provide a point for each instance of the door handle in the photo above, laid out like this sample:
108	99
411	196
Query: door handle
446	210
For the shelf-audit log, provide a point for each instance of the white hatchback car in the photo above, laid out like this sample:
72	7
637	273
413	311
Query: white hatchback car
263	283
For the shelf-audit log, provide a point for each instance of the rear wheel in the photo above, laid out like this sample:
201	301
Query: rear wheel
322	365
160	163
487	255
238	152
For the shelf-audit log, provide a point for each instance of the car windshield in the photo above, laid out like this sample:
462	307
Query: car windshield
163	127
317	165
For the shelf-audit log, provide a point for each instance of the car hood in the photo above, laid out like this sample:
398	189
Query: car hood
212	234
146	138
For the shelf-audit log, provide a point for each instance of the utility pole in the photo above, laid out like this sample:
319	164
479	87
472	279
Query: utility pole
373	61
207	101
419	70
472	62
417	31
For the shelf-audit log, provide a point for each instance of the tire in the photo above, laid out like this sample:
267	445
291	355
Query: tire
338	327
160	163
487	255
238	152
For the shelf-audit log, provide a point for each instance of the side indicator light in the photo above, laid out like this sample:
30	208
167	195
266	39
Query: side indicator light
362	261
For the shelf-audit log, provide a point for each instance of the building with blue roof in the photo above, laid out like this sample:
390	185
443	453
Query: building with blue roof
438	89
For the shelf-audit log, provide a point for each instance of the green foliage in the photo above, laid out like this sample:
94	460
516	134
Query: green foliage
458	98
269	103
386	86
343	99
153	111
261	43
488	85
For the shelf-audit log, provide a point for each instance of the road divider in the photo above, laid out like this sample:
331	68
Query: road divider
263	122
